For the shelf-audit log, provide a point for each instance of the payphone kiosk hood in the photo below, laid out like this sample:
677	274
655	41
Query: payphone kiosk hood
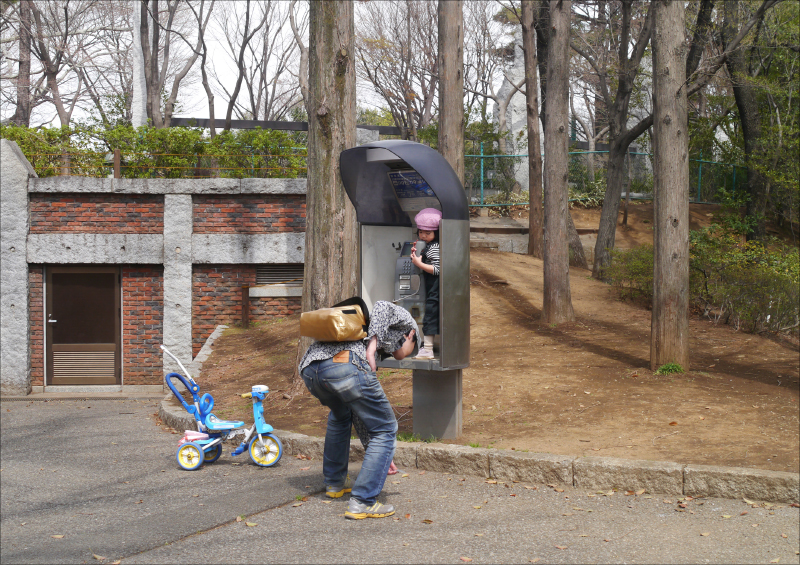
366	172
364	175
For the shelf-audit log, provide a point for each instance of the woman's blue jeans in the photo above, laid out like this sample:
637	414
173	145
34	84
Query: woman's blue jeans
344	388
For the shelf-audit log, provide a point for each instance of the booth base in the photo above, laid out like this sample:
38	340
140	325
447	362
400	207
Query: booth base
437	403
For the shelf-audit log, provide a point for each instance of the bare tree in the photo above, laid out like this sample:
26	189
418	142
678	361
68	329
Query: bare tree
396	48
165	58
609	24
297	31
535	218
22	113
557	307
264	56
331	254
669	336
451	83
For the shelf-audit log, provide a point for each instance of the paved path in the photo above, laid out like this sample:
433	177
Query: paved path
103	476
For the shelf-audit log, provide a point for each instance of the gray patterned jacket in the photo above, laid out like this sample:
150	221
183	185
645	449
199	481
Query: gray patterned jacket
389	322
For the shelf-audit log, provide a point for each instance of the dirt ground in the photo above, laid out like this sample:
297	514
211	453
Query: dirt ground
582	388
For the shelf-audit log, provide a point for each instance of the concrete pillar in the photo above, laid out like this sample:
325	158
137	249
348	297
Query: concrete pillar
364	135
15	363
177	279
436	398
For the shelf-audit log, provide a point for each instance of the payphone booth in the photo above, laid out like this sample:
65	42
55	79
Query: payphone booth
388	182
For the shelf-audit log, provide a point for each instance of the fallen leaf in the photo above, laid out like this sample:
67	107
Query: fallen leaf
250	524
583	536
139	502
743	513
304	468
629	493
705	534
477	507
702	417
465	559
99	557
784	536
667	501
395	482
296	504
326	501
238	518
673	423
561	547
478	535
748	501
776	560
422	472
58	536
794	505
535	560
755	525
558	489
531	488
426	521
726	516
404	475
408	516
491	482
640	492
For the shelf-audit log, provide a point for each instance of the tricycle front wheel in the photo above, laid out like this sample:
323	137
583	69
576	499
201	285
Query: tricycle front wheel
265	452
190	456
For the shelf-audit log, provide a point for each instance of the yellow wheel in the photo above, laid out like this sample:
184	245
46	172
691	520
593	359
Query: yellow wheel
267	451
190	456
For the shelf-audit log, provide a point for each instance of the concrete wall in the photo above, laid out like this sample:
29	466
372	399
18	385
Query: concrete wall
159	231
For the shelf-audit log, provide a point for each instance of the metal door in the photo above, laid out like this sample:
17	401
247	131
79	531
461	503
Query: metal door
83	326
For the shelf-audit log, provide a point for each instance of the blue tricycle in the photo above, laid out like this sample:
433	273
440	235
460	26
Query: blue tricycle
205	444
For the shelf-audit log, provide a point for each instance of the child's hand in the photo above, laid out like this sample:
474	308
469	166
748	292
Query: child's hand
415	259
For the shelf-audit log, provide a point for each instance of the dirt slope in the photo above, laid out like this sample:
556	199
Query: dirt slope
582	388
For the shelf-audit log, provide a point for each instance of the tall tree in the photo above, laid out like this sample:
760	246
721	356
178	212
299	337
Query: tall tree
535	220
397	47
22	113
451	83
542	26
331	256
669	335
557	307
618	26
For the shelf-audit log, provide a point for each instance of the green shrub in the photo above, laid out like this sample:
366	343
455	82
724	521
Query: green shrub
749	285
149	152
669	369
631	272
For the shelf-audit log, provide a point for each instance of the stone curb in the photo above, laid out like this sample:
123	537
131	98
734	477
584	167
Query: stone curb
593	473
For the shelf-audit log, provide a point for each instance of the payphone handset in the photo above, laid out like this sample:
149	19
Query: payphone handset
407	291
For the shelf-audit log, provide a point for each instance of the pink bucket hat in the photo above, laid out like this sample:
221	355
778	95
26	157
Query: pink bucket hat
428	219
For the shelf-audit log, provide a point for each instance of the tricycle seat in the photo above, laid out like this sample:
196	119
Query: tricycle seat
213	423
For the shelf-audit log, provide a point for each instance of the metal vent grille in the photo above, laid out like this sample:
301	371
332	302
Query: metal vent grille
84	365
280	273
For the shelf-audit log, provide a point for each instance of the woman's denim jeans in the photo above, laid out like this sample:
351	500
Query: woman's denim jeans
344	388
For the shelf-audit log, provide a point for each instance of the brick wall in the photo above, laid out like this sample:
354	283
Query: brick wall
217	299
98	213
249	214
36	310
142	324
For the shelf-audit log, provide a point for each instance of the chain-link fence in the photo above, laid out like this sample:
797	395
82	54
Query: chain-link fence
502	180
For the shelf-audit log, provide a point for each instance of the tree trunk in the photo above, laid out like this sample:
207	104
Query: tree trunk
557	307
331	246
22	113
534	143
669	334
750	119
451	83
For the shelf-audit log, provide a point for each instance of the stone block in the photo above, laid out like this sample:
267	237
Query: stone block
248	249
627	474
542	468
455	459
738	482
273	186
405	455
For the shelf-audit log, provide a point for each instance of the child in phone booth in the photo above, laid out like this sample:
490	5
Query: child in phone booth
427	221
